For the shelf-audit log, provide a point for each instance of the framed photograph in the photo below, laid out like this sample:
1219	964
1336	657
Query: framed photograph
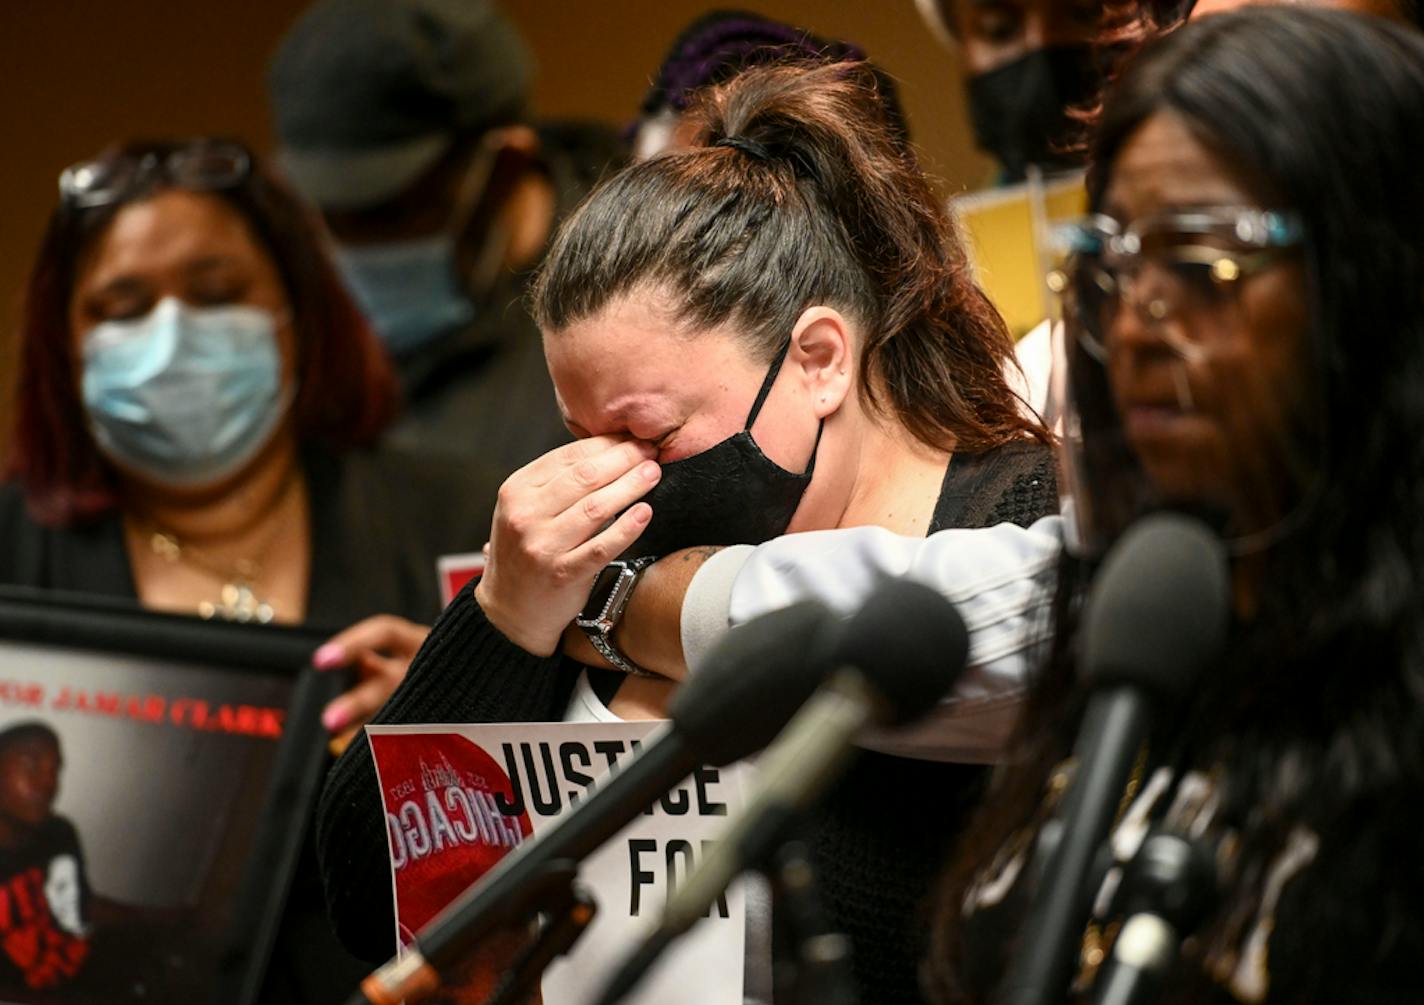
156	772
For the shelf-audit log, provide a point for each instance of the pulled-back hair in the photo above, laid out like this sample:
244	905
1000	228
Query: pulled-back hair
797	192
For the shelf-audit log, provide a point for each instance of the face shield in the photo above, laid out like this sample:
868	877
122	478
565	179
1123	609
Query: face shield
1182	377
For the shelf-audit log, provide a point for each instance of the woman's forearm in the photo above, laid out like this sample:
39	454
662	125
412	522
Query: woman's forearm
1000	578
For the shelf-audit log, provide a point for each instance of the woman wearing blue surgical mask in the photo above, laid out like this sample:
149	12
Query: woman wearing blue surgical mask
183	356
197	402
193	384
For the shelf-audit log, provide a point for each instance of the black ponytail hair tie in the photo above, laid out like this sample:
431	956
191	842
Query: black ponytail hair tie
803	165
749	147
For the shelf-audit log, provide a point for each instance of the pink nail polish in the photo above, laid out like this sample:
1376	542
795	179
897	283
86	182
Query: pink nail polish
334	717
332	654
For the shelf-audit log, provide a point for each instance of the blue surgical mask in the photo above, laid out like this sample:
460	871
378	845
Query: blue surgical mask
184	395
414	291
408	290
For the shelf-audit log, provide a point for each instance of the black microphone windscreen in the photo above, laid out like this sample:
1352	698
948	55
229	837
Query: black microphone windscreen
1157	610
754	680
910	643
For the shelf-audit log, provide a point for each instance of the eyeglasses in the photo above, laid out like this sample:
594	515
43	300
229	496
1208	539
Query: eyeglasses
1176	270
201	165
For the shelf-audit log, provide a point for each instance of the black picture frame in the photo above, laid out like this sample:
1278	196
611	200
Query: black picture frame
80	628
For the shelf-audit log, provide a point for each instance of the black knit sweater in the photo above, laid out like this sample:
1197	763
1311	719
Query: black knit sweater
878	841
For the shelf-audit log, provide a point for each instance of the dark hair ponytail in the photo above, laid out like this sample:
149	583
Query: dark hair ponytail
798	191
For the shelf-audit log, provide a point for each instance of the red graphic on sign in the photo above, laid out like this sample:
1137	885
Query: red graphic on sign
443	795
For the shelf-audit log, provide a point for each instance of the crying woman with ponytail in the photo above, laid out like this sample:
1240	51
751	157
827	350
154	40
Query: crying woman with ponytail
771	328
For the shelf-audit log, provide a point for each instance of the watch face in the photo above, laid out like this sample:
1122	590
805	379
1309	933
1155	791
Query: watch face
602	589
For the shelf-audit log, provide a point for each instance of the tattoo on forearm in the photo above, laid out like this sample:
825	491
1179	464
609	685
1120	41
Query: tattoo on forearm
700	554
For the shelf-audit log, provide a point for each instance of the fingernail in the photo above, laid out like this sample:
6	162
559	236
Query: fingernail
642	513
332	654
650	471
334	717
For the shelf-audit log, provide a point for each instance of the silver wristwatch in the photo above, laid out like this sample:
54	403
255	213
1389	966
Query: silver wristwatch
606	603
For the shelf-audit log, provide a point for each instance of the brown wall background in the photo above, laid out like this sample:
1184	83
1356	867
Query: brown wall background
83	73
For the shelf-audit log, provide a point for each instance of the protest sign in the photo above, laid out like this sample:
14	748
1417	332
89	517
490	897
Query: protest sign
458	798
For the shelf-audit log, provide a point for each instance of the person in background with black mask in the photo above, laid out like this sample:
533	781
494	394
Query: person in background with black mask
1026	64
406	123
781	336
1033	71
1029	64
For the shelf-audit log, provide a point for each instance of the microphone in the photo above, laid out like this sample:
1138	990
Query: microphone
1167	889
897	657
754	680
1155	615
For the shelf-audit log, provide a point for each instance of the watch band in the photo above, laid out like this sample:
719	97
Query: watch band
609	651
599	628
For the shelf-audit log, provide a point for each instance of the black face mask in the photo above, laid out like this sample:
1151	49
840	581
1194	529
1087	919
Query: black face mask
731	493
1019	110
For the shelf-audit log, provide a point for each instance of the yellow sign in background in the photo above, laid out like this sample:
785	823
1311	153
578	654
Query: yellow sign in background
1006	248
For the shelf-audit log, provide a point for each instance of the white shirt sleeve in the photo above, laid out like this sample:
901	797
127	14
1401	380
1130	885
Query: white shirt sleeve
1000	578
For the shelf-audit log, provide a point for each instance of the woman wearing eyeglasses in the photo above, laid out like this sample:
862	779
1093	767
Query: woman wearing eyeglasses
196	398
1246	313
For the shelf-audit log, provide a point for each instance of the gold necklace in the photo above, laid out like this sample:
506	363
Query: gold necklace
237	600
